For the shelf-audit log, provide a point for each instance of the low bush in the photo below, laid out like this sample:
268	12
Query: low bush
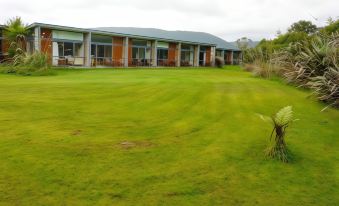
326	87
24	64
219	62
313	65
257	61
304	60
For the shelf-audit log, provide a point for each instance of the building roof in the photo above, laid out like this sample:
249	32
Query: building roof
150	33
185	36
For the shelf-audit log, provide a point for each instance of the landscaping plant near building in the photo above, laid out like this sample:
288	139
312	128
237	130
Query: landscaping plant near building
219	62
15	33
29	64
19	61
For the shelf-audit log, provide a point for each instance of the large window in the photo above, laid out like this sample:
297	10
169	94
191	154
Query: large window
93	50
141	49
101	54
68	53
138	53
69	49
162	54
61	49
141	52
187	55
101	50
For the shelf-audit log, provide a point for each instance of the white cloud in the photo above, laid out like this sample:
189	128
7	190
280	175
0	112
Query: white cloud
228	19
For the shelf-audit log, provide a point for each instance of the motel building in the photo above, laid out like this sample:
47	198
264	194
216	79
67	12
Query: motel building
125	47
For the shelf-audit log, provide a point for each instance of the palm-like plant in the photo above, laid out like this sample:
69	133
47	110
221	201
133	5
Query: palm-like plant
15	33
281	121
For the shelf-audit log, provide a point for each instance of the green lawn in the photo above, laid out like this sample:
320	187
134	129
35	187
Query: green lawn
160	137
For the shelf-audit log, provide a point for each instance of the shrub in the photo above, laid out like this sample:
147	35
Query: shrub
34	64
258	62
262	69
326	87
332	27
37	61
249	67
219	62
305	59
313	65
255	54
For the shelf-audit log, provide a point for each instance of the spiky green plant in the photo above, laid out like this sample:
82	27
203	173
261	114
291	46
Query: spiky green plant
326	87
305	60
15	33
281	121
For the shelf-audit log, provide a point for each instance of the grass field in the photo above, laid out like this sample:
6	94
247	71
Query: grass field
161	137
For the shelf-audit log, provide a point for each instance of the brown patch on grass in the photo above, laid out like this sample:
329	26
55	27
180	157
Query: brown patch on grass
191	192
135	144
76	132
249	67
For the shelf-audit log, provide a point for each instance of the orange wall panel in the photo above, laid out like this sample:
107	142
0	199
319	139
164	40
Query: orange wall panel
208	55
118	50
46	43
172	53
130	52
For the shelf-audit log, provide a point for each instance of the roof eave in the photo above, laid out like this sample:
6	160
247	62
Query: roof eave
74	29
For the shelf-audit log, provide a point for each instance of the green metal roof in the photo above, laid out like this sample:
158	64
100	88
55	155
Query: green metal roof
200	37
188	37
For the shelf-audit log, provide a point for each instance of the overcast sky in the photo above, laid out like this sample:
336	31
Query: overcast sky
229	19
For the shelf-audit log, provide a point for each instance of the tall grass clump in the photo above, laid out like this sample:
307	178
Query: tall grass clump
34	64
29	64
257	61
326	87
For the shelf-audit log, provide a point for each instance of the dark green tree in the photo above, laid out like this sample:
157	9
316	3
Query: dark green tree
303	26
